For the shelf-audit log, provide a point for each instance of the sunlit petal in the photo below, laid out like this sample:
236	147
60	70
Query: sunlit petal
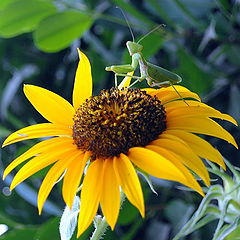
168	94
149	91
73	177
187	156
155	164
44	146
83	81
175	105
190	180
201	147
37	131
90	195
52	177
203	126
50	105
38	163
129	181
198	111
110	197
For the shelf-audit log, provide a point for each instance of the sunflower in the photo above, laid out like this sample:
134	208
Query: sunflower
114	133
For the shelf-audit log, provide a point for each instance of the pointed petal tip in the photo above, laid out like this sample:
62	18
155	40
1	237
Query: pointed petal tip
39	211
112	225
80	232
223	166
12	187
142	212
80	54
201	193
234	143
6	142
4	175
26	86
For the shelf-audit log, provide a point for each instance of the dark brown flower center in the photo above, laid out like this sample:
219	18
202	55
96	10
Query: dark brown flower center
115	121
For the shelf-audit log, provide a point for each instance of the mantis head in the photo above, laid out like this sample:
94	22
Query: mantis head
134	47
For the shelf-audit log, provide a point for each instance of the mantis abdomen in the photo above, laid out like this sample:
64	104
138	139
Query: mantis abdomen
158	76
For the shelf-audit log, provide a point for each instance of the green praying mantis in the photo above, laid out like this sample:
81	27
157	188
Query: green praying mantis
154	75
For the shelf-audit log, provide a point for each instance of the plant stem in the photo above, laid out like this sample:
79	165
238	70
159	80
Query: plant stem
99	230
101	227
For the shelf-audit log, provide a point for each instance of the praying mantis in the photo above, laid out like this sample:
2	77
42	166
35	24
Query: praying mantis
154	75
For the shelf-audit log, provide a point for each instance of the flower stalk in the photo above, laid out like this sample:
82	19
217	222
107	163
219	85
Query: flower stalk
101	224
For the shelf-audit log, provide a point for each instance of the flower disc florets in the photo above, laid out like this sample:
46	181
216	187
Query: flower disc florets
115	121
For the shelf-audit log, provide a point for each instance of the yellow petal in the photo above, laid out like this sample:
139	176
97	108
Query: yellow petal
202	126
37	131
73	177
168	94
126	81
110	197
149	91
155	164
50	105
195	111
174	96
90	195
171	89
40	162
201	147
187	156
177	104
52	177
40	147
83	81
129	181
190	180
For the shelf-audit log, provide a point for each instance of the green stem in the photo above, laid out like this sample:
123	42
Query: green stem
101	227
99	230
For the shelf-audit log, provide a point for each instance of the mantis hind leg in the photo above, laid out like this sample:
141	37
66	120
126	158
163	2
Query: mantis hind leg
178	93
166	84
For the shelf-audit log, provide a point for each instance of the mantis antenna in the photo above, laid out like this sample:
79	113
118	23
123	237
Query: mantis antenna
153	30
125	17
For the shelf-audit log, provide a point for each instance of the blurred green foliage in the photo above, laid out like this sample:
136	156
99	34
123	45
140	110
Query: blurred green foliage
38	41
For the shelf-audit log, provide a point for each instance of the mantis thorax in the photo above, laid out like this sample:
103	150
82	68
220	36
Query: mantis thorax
134	47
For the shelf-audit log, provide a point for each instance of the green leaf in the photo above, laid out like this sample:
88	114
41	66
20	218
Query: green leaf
23	16
4	3
4	132
161	12
128	7
25	233
234	235
227	229
58	31
152	43
194	76
8	221
128	213
48	230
